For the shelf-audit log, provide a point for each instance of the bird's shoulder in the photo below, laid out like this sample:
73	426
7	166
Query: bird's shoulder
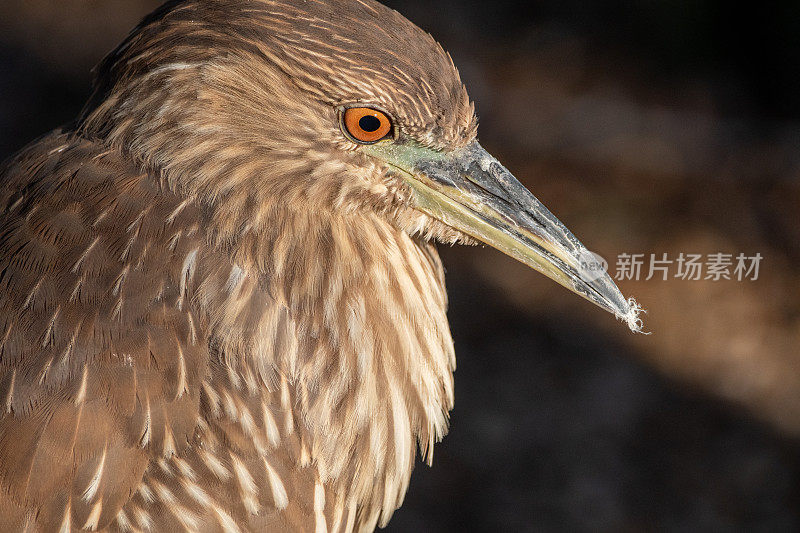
101	357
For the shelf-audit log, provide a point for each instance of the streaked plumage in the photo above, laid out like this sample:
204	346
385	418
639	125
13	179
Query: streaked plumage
217	313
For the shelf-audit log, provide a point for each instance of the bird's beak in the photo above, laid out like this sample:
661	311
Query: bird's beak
469	190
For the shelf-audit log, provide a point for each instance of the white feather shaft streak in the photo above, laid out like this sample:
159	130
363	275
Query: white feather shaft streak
279	495
94	483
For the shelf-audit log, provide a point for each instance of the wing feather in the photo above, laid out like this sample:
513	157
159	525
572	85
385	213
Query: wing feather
100	361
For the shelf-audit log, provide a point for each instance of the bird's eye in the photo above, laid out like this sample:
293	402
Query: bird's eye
366	125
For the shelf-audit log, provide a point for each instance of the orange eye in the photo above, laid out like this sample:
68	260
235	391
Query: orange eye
366	125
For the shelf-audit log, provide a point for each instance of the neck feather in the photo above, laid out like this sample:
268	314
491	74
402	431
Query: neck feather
352	311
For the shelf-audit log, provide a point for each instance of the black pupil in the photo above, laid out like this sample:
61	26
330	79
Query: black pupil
369	123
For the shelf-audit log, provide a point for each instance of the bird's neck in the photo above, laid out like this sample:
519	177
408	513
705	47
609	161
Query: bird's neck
352	311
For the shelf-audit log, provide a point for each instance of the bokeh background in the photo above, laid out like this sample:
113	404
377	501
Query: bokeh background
657	126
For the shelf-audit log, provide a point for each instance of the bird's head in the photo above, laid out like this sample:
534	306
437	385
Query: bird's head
329	106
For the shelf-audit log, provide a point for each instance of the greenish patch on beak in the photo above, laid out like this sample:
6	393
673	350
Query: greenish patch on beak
469	190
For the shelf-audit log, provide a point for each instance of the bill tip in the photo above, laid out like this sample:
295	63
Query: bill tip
631	317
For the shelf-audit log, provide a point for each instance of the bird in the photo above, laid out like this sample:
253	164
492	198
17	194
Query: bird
221	303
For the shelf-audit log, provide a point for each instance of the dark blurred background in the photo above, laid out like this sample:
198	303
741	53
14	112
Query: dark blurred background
657	126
